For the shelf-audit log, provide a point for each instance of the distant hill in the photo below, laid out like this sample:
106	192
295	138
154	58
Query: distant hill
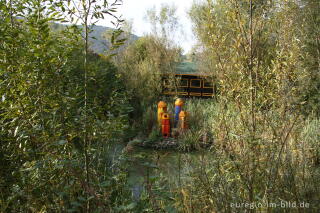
98	42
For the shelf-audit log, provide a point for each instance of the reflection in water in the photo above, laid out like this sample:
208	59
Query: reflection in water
136	191
168	169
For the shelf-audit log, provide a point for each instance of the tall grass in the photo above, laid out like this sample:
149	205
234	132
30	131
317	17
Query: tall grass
280	164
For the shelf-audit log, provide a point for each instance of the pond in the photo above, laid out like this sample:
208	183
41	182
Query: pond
165	168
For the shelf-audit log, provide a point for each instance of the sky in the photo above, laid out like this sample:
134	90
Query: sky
135	10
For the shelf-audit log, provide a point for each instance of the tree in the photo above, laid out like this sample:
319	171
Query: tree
144	62
88	12
164	22
43	91
255	53
307	22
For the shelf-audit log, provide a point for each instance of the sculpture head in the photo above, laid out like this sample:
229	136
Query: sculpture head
162	104
179	102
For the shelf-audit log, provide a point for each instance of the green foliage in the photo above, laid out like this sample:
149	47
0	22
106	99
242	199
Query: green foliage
141	67
43	115
307	22
155	135
143	63
63	108
284	50
189	140
164	22
311	136
256	55
287	170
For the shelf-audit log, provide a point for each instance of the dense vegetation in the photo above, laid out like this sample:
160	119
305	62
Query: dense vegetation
63	107
56	112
